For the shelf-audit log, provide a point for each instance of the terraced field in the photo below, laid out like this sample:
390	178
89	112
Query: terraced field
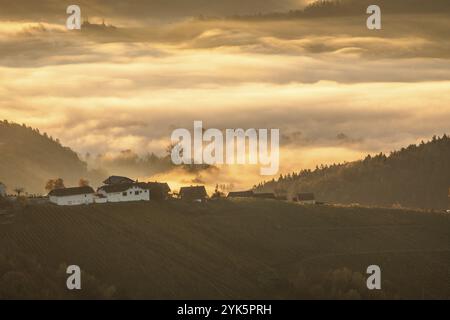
224	249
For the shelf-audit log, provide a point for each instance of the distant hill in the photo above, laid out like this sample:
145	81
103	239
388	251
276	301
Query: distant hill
336	8
226	249
416	176
358	7
30	158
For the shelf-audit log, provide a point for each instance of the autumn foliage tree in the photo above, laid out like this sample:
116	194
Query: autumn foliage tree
83	183
54	184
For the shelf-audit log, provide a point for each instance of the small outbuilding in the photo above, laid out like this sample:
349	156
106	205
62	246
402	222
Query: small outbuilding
197	193
158	190
241	194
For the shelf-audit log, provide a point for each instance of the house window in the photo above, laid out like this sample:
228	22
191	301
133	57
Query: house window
136	193
124	194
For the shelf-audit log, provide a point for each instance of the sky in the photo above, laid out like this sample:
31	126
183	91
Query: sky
336	90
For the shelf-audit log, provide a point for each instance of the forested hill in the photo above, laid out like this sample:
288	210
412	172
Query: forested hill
28	159
416	176
336	8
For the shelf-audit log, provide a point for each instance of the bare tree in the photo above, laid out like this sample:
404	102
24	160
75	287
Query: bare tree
19	191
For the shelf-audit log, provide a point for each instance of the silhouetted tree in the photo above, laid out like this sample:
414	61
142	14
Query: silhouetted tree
83	182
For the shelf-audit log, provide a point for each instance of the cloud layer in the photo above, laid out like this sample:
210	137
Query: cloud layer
335	90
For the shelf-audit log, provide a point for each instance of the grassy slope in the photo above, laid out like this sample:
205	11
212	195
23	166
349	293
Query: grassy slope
236	249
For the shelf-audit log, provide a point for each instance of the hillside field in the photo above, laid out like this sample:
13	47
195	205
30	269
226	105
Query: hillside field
225	249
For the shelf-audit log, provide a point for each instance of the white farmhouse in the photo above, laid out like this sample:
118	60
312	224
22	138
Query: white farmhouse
2	190
72	196
100	198
125	192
